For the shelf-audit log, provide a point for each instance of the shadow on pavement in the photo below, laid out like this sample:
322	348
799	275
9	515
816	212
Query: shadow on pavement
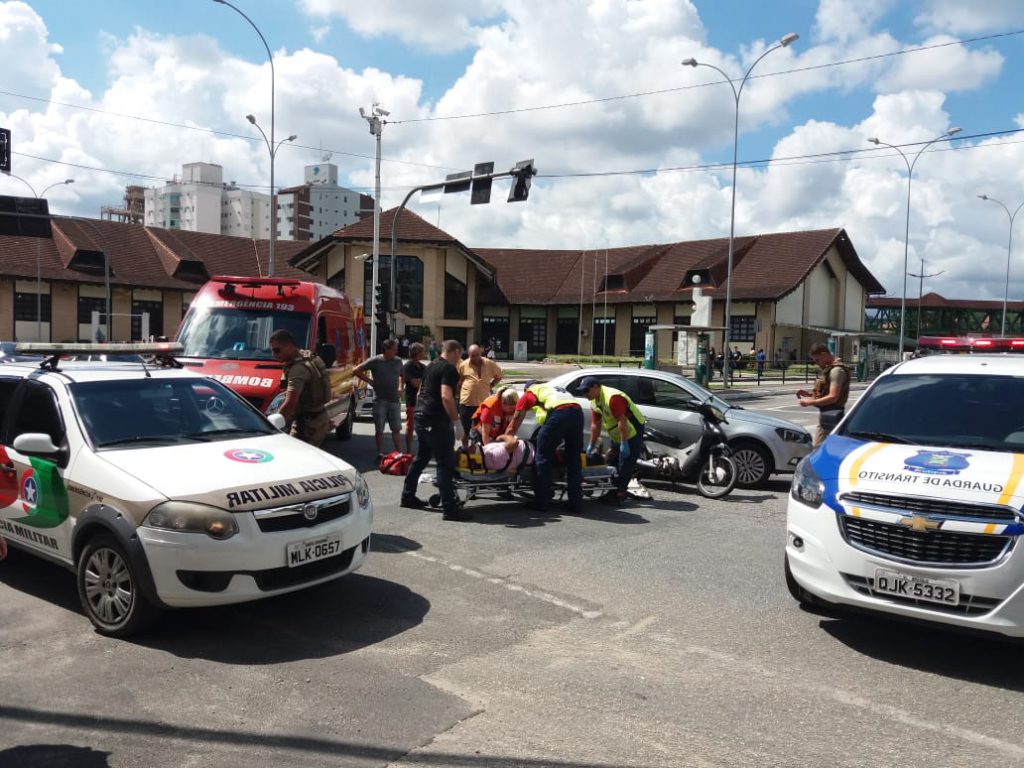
53	756
391	543
40	578
989	660
336	749
359	450
331	619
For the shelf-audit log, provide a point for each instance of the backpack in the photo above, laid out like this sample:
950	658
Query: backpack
396	463
323	393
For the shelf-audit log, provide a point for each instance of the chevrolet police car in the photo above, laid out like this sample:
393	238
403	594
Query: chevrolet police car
163	488
913	506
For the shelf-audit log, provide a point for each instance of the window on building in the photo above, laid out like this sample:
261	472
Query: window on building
567	331
534	331
456	298
742	328
638	332
456	334
409	283
155	309
603	338
25	305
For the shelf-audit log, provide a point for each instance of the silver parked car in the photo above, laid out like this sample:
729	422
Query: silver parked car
762	445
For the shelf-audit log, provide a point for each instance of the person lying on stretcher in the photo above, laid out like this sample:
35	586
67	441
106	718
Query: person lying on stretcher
505	454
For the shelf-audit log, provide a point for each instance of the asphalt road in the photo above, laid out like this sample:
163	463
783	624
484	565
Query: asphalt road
660	635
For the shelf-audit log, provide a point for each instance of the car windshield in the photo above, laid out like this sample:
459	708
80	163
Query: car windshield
144	412
238	334
948	410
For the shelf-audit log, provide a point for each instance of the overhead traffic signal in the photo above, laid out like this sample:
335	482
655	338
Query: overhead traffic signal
522	176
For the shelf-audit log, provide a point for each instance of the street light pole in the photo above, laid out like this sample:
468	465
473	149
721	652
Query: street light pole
376	129
920	291
272	148
906	234
39	255
1009	250
270	141
736	92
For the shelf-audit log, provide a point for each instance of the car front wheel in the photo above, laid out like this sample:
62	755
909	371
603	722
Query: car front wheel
108	587
753	463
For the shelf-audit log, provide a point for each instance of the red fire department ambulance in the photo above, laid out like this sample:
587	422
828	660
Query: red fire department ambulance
226	335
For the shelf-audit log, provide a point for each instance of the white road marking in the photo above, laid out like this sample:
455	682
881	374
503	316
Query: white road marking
509	585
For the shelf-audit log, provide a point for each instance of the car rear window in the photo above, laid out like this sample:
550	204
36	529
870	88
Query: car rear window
949	410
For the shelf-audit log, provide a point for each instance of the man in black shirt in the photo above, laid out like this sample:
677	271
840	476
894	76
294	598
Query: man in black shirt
412	375
435	419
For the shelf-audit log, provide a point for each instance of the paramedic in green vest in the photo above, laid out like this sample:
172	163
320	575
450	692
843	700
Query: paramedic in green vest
618	415
305	400
560	419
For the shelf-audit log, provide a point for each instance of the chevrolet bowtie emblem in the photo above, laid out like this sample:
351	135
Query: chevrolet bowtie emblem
919	523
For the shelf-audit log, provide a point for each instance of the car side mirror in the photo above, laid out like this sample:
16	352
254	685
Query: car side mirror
278	421
328	354
35	444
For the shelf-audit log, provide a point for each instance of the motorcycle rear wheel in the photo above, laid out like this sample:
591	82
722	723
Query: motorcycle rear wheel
717	477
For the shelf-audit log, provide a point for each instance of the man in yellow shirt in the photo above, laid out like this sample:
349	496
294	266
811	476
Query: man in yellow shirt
477	375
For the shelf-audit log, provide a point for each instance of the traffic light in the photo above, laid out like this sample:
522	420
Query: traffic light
522	176
378	300
481	193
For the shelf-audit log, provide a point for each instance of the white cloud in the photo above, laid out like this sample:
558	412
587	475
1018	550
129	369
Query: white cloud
320	32
440	25
951	69
974	17
845	20
526	59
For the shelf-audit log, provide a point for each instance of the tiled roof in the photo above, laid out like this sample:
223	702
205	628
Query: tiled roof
933	300
412	228
139	256
765	267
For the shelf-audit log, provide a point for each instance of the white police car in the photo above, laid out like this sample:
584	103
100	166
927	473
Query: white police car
162	488
913	506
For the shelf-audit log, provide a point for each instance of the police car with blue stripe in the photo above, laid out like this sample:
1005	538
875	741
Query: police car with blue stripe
913	505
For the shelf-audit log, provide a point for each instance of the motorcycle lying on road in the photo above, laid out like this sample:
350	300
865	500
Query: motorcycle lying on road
706	463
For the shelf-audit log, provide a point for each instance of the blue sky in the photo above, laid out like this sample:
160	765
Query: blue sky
449	57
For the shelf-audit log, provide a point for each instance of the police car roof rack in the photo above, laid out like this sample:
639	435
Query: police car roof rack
163	352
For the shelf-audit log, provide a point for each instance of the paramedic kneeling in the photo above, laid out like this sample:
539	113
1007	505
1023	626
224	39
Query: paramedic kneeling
615	412
560	418
435	420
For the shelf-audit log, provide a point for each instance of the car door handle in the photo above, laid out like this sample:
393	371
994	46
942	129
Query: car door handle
8	467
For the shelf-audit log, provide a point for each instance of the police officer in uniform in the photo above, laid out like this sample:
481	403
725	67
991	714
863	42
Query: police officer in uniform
308	389
560	418
618	414
831	391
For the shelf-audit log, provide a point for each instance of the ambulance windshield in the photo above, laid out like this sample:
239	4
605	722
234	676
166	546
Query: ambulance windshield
238	334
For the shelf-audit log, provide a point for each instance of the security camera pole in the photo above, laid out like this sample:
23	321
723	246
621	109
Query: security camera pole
479	182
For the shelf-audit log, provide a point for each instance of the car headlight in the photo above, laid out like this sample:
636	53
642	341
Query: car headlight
362	490
192	518
276	403
807	486
793	435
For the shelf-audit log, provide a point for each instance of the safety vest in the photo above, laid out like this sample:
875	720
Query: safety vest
548	398
490	403
602	407
821	384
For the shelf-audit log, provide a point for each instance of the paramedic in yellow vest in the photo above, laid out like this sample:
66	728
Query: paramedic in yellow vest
831	391
560	418
616	413
304	405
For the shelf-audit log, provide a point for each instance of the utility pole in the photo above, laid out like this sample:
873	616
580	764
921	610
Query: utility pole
376	129
920	291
